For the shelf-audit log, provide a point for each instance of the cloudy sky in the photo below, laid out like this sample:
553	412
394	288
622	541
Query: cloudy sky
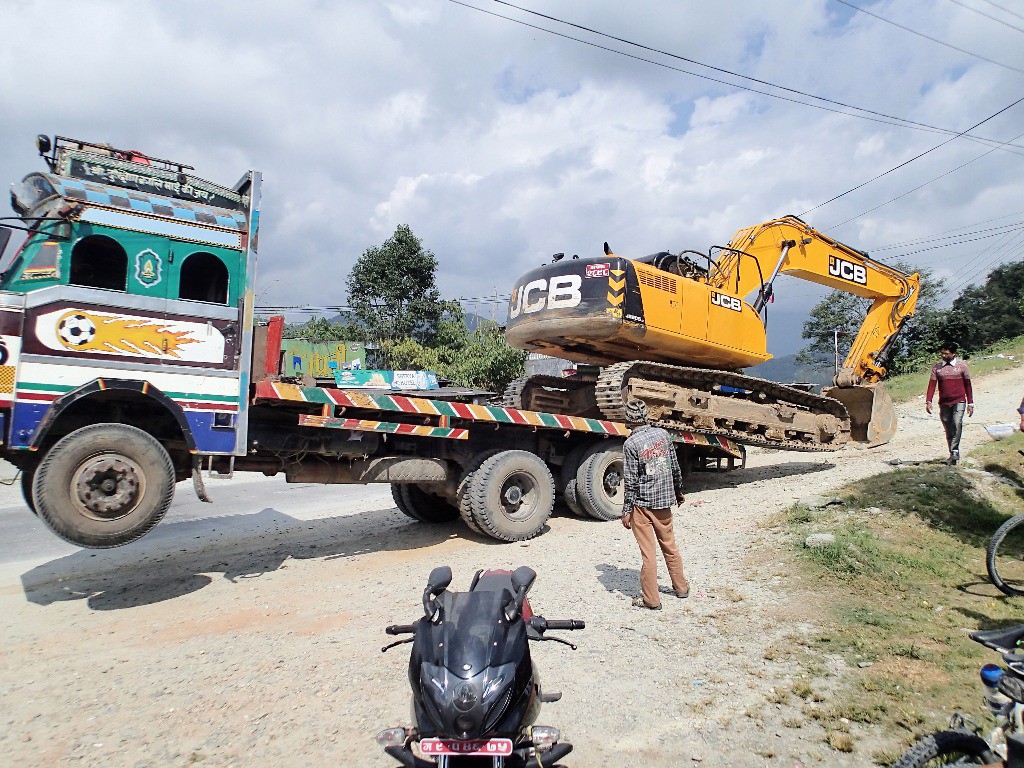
500	143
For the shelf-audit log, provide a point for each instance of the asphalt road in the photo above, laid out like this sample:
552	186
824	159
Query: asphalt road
243	506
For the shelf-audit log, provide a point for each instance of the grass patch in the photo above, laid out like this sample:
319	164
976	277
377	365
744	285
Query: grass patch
898	590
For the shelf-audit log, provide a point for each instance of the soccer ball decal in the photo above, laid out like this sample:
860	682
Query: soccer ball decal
76	330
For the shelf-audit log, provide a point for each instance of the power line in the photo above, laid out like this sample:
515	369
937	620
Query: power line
986	15
920	186
916	157
1004	10
927	37
961	242
882	117
938	235
963	279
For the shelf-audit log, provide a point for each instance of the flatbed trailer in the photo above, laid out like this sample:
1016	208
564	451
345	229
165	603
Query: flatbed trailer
500	469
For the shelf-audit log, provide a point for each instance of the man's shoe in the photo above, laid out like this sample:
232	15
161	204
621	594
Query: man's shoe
684	593
639	603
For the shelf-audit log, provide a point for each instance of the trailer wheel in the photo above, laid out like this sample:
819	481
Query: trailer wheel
423	506
512	495
462	493
104	485
28	476
396	495
599	481
567	480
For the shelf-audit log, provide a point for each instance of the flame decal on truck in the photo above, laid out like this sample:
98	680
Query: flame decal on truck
93	332
87	332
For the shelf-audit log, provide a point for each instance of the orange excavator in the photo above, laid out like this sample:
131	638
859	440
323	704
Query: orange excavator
677	330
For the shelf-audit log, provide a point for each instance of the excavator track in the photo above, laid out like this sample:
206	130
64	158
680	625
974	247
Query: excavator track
552	394
753	412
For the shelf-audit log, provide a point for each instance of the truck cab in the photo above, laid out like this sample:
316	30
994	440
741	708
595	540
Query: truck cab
129	302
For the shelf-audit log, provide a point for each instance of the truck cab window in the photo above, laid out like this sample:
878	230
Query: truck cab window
204	277
99	262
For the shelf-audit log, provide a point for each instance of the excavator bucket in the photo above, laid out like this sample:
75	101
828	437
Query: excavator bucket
872	413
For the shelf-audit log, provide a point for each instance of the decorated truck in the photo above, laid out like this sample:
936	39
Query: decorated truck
130	361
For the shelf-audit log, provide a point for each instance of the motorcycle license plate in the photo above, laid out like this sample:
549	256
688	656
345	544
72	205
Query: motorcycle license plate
484	747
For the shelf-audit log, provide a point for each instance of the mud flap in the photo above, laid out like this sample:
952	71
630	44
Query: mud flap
872	413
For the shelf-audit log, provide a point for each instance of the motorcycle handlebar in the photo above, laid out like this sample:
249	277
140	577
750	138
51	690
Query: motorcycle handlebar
400	629
565	624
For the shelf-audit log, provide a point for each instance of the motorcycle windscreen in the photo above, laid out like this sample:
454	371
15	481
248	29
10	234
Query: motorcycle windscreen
476	634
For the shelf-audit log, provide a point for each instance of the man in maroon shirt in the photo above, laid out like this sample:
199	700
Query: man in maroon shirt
953	379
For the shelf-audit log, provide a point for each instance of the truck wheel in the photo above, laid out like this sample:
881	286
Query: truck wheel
462	493
567	480
104	485
28	476
512	495
425	507
396	494
599	483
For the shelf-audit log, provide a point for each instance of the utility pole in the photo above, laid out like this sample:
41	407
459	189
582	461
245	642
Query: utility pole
835	335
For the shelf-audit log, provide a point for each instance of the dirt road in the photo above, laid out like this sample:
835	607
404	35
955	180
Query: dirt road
224	646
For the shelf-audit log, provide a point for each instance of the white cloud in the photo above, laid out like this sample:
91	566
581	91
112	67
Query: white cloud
500	144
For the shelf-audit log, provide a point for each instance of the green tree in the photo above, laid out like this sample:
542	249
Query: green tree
488	361
481	359
319	329
919	338
982	315
392	290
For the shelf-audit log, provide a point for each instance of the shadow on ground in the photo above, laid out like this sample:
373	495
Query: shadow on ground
706	481
178	562
625	581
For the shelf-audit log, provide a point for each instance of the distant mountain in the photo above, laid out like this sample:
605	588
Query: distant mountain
473	321
786	370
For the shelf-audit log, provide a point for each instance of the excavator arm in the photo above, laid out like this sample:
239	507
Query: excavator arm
757	255
789	246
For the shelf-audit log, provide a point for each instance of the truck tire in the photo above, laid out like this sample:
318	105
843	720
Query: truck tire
599	483
104	485
396	495
423	506
567	480
512	495
28	476
462	491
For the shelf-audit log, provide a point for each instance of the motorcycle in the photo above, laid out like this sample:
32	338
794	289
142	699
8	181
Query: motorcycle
476	692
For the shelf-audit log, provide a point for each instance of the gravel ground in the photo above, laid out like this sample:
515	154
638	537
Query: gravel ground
264	649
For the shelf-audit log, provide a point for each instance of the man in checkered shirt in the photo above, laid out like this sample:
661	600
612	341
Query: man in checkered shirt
653	484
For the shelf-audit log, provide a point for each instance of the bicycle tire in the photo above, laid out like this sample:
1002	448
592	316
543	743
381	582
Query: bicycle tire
951	747
996	551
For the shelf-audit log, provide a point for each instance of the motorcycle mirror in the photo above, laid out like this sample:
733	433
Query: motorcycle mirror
437	582
439	579
523	578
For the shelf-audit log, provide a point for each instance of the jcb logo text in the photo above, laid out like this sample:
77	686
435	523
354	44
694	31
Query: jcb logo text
559	292
847	270
726	302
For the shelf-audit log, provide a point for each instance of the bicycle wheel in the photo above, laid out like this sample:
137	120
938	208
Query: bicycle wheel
1004	558
947	748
